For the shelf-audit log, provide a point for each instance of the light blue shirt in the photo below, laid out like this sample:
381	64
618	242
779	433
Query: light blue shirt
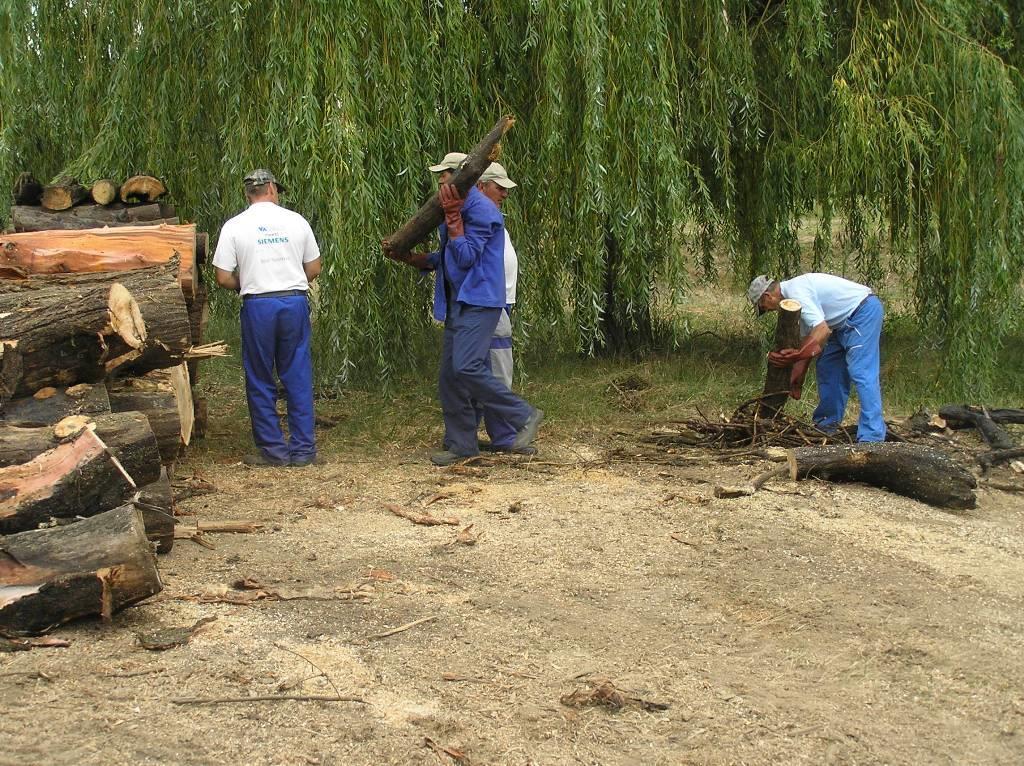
824	298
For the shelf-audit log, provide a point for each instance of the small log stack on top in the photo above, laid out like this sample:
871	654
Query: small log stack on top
101	312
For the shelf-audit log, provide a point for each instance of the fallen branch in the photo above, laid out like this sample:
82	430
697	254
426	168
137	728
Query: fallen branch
454	753
264	698
420	518
988	459
604	693
403	628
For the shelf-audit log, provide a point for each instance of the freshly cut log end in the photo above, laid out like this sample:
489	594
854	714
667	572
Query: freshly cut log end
64	194
104	191
427	218
93	567
143	188
911	470
776	380
27	190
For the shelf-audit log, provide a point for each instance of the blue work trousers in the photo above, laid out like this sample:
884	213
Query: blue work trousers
466	381
852	355
276	333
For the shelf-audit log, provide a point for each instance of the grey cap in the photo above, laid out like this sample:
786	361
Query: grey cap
261	176
451	161
497	173
758	286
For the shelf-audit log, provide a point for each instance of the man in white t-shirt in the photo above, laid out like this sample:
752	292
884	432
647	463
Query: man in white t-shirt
841	324
269	254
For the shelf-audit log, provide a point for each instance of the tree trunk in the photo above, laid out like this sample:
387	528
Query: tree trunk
161	305
776	379
63	335
27	190
430	214
94	567
156	502
912	470
145	188
28	219
103	192
120	249
162	404
64	194
963	416
51	405
80	477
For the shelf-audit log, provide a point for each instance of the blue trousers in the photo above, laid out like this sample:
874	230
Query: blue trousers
851	355
276	333
500	361
466	381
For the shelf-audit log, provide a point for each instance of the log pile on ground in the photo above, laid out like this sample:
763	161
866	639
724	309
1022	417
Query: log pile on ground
102	311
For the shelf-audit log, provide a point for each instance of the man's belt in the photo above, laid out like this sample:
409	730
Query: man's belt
275	294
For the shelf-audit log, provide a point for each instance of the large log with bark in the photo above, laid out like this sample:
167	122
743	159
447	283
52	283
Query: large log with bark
94	567
51	405
82	476
776	379
156	291
63	194
164	399
121	432
59	336
25	218
430	214
962	416
912	470
89	250
156	502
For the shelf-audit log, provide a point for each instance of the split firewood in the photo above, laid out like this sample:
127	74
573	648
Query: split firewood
93	567
427	218
912	470
142	188
602	692
420	518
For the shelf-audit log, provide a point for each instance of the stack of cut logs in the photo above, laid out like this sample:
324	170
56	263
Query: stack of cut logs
101	315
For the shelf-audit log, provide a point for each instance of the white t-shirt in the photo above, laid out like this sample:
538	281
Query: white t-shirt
268	245
824	298
511	270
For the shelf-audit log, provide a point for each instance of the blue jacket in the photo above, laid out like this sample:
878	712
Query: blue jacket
474	264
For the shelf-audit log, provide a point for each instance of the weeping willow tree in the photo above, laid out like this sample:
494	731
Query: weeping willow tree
648	134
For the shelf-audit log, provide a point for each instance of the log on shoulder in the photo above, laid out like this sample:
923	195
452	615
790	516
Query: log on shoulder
79	477
111	249
50	405
144	188
25	218
915	471
427	218
94	567
63	194
776	379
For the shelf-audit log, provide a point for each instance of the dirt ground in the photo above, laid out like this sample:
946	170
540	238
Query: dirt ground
809	623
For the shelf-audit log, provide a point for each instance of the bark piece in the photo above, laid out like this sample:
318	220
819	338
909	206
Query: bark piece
25	218
80	477
961	415
142	188
776	379
912	470
95	567
50	405
430	214
113	249
63	194
103	191
59	336
27	190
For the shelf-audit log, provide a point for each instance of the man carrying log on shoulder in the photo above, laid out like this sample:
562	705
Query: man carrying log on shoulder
470	298
270	255
840	323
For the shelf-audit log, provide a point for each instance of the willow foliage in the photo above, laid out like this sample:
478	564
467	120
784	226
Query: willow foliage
646	131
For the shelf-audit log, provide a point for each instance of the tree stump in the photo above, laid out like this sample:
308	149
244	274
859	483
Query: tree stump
93	567
911	470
